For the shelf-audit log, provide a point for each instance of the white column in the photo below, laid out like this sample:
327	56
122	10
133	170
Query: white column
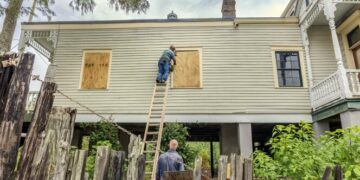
329	11
321	127
245	139
350	119
305	40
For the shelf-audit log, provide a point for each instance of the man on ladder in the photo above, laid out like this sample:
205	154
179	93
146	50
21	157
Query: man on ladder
164	64
169	161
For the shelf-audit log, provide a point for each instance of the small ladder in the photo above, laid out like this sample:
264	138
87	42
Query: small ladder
154	128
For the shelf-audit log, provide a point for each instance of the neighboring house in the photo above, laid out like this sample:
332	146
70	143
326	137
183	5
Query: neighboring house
236	78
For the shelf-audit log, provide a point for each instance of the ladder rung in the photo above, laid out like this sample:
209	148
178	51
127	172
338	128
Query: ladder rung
158	102
153	132
148	173
150	141
149	162
157	124
149	151
155	116
161	84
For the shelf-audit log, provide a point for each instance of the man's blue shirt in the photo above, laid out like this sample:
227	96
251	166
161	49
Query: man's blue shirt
169	161
168	54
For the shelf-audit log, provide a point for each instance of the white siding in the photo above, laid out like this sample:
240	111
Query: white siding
321	52
236	63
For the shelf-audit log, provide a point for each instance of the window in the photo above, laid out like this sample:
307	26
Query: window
354	36
187	72
288	69
95	70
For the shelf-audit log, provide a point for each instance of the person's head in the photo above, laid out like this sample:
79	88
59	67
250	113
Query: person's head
172	48
173	144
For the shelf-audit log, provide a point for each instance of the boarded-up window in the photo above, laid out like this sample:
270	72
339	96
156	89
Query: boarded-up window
187	73
95	69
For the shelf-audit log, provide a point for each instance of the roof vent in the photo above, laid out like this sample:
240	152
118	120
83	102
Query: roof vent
172	16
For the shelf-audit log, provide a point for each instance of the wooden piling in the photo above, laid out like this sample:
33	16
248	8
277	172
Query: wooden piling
13	115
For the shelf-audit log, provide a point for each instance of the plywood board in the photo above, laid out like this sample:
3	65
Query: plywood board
95	70
187	71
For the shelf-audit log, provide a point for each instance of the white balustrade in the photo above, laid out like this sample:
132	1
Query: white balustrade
31	101
327	91
353	78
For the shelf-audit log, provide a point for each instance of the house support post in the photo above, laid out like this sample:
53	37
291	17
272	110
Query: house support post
245	139
329	11
350	119
320	127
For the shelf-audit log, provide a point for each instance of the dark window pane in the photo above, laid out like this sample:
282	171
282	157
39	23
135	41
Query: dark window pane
289	70
354	36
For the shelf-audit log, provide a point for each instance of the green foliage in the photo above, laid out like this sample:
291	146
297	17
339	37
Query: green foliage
98	134
298	155
180	133
101	131
264	166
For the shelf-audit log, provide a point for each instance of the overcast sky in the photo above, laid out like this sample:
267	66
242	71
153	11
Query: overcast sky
158	10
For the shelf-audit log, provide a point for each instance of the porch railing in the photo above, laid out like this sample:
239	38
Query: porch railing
327	91
331	89
353	78
31	101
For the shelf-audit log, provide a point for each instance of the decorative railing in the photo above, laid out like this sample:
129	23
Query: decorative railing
346	1
354	82
327	91
31	101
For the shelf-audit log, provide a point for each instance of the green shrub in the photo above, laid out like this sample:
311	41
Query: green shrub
296	154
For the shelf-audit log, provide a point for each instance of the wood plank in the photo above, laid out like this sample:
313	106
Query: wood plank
13	115
182	175
79	164
197	169
116	169
54	149
102	162
232	166
187	69
37	128
222	167
95	70
248	169
239	167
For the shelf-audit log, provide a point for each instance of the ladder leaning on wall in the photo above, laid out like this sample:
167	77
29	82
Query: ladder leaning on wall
154	127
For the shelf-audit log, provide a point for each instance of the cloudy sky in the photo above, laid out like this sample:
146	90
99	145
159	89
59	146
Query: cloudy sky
158	10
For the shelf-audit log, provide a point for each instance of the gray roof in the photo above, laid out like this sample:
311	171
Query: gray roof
133	21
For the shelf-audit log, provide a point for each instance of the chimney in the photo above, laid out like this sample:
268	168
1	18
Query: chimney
228	9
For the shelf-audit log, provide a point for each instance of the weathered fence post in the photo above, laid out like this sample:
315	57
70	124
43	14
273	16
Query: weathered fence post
50	160
232	166
102	162
135	147
239	167
140	164
37	129
338	173
78	165
248	169
222	167
327	173
116	170
6	74
13	115
197	169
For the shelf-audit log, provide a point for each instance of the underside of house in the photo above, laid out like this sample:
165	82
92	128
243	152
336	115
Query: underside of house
235	80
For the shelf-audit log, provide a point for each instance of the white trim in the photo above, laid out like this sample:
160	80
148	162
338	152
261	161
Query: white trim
203	118
300	50
191	48
82	68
